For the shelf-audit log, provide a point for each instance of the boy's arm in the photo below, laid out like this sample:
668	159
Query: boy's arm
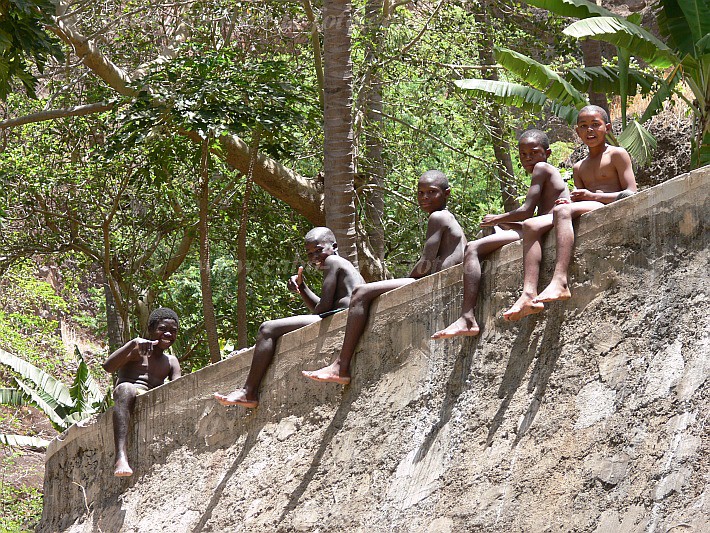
131	351
175	371
330	286
430	252
297	285
532	199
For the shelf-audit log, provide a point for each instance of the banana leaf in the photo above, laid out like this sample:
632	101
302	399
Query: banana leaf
580	9
55	391
685	23
55	414
606	80
517	95
11	397
638	141
21	440
541	77
624	34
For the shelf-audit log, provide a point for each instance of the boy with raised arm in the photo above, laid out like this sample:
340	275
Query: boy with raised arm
340	278
546	187
445	242
602	177
142	364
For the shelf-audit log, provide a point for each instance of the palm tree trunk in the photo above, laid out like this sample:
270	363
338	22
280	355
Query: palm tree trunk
339	167
205	273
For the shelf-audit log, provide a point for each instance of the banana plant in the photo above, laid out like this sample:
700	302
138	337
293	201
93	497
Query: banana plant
63	405
685	24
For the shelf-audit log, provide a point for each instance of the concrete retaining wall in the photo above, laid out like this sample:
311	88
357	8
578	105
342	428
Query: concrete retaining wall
589	417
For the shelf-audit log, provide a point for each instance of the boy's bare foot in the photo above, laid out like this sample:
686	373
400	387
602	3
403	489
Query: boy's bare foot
122	469
328	374
554	292
523	307
238	397
463	327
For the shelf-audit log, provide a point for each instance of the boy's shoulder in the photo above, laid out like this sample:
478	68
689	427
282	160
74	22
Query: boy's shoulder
543	169
339	262
443	217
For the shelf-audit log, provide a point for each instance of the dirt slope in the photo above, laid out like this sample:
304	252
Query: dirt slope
589	417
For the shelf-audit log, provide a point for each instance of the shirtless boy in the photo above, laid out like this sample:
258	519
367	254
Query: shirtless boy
546	187
340	278
142	364
444	246
603	176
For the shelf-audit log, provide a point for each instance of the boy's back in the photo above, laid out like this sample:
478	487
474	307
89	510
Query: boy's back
346	278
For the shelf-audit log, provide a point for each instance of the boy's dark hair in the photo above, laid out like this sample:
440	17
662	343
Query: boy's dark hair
320	234
537	136
595	109
161	313
437	177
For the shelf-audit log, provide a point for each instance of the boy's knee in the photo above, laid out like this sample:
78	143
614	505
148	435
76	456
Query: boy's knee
359	293
266	329
471	248
561	210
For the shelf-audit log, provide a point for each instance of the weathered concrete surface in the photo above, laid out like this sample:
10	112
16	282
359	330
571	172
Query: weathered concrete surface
590	417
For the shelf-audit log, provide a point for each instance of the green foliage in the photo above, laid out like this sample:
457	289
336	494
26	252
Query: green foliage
63	405
20	506
23	43
213	92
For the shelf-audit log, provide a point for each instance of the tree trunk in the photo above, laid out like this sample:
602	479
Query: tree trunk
373	165
242	330
592	56
340	214
113	321
501	146
205	273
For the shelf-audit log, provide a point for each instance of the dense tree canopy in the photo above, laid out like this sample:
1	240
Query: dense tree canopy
101	154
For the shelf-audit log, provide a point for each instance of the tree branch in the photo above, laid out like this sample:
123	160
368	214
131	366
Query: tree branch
76	111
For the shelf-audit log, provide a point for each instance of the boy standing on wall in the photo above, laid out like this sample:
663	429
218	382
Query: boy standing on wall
444	246
605	175
340	278
546	187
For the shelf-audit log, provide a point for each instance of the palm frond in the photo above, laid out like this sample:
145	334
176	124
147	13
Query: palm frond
514	94
638	141
541	77
624	34
685	23
580	9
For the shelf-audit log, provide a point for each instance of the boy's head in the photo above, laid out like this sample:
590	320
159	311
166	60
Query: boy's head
320	243
533	148
163	326
593	125
433	191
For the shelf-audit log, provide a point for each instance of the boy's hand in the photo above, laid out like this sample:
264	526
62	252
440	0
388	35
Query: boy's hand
579	195
143	346
563	201
489	220
294	283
